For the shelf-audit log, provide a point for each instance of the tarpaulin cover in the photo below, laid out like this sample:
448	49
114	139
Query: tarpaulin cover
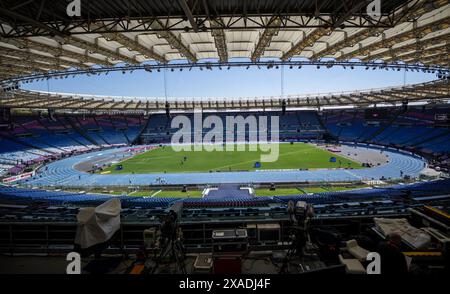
98	224
410	235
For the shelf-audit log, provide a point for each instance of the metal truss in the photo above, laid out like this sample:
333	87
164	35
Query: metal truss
416	33
173	41
312	38
12	71
87	46
266	37
90	47
61	36
442	59
439	53
5	60
26	18
412	13
56	51
219	40
309	41
132	45
425	92
210	66
27	55
419	48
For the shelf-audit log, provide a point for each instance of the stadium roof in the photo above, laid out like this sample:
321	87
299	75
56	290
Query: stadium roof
438	90
38	36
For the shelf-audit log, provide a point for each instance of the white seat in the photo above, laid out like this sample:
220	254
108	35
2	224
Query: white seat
357	251
352	266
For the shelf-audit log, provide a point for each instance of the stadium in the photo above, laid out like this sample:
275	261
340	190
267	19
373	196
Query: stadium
102	175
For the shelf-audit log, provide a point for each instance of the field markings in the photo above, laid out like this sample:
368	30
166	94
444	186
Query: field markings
248	161
353	174
156	193
147	157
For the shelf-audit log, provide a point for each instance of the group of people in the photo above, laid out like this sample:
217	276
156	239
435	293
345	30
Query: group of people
160	180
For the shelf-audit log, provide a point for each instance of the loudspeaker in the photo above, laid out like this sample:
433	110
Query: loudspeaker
167	109
405	105
51	113
6	114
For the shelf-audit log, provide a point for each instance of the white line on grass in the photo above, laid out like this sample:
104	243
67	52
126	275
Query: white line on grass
157	192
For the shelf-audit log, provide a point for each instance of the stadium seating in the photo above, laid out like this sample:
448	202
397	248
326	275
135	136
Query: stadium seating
27	139
37	138
416	191
293	125
414	129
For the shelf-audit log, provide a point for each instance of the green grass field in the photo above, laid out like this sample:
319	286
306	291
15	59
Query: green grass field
299	191
198	193
188	194
165	159
154	193
277	192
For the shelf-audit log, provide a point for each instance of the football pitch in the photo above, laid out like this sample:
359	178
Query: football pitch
293	157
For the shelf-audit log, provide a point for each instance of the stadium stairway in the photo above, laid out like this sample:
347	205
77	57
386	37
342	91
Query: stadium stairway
416	191
80	131
143	128
228	191
385	126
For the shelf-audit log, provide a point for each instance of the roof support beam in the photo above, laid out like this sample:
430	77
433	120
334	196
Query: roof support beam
402	52
313	37
362	97
8	69
129	103
421	92
39	24
64	104
25	103
417	9
188	13
350	9
377	97
173	41
419	32
132	45
219	39
55	61
39	104
266	37
103	103
55	51
95	48
442	57
348	98
138	104
29	63
408	96
15	99
23	67
308	41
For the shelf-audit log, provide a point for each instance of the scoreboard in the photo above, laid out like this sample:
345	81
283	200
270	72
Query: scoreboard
376	114
442	119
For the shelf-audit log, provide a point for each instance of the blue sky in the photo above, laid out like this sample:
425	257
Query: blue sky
236	82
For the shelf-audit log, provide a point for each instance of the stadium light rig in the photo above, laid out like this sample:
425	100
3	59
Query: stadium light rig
211	66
